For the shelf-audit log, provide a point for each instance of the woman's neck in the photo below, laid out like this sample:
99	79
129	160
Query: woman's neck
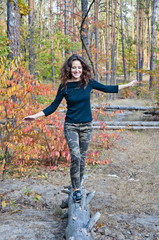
74	80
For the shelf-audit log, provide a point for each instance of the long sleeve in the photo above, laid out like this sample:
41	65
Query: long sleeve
54	105
104	88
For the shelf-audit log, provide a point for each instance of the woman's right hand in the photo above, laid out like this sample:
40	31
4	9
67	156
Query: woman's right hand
29	118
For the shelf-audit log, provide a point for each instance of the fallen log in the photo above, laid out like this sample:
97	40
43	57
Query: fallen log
127	123
117	107
127	127
153	113
80	223
130	108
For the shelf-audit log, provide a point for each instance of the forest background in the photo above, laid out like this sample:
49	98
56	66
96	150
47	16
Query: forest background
119	39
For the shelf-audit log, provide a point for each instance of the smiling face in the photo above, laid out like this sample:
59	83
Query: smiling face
76	70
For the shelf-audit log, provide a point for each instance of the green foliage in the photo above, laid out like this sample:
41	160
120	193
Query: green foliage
4	48
43	62
130	57
24	9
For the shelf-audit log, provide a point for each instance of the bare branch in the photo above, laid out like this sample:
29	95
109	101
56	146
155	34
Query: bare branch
81	36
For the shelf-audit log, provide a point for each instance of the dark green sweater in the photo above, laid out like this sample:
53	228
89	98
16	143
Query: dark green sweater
78	100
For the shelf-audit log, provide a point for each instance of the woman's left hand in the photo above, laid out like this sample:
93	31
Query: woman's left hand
132	83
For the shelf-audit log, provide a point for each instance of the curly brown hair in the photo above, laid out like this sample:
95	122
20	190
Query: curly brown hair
65	74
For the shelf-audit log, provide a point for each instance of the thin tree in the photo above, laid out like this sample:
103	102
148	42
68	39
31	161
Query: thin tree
138	42
40	21
107	39
153	61
132	19
31	43
52	40
113	37
66	23
122	39
96	20
13	27
84	31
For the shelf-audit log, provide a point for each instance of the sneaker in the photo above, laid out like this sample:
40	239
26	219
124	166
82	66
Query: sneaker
77	196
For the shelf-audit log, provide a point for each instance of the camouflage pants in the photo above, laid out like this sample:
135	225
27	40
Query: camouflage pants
78	137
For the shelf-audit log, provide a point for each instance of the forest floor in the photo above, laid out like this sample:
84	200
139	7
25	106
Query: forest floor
127	194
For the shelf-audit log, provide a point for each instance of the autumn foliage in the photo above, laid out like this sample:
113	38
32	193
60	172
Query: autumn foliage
41	141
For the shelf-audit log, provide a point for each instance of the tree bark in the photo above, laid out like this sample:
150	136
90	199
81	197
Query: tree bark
153	61
96	11
13	27
132	18
52	41
85	29
107	39
138	42
122	38
113	21
40	21
31	18
66	23
79	222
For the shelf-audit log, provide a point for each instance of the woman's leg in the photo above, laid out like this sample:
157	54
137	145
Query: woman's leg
72	137
85	136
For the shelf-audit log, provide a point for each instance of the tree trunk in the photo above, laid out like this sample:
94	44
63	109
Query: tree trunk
79	222
52	40
96	10
117	44
13	27
107	39
84	6
153	61
113	21
148	38
138	42
66	30
31	44
132	18
122	38
40	21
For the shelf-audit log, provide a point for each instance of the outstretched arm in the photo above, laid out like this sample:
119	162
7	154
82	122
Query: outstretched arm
130	84
50	109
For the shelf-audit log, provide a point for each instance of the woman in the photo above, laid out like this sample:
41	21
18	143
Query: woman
76	85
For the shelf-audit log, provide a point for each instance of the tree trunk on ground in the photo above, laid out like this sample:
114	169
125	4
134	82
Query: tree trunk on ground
31	42
79	222
155	21
13	27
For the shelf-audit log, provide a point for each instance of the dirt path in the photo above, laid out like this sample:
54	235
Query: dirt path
127	190
127	195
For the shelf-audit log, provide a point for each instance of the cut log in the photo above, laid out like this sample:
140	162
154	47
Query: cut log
153	113
127	123
130	108
127	127
80	223
117	107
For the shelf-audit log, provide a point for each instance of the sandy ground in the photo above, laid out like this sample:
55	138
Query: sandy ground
127	195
